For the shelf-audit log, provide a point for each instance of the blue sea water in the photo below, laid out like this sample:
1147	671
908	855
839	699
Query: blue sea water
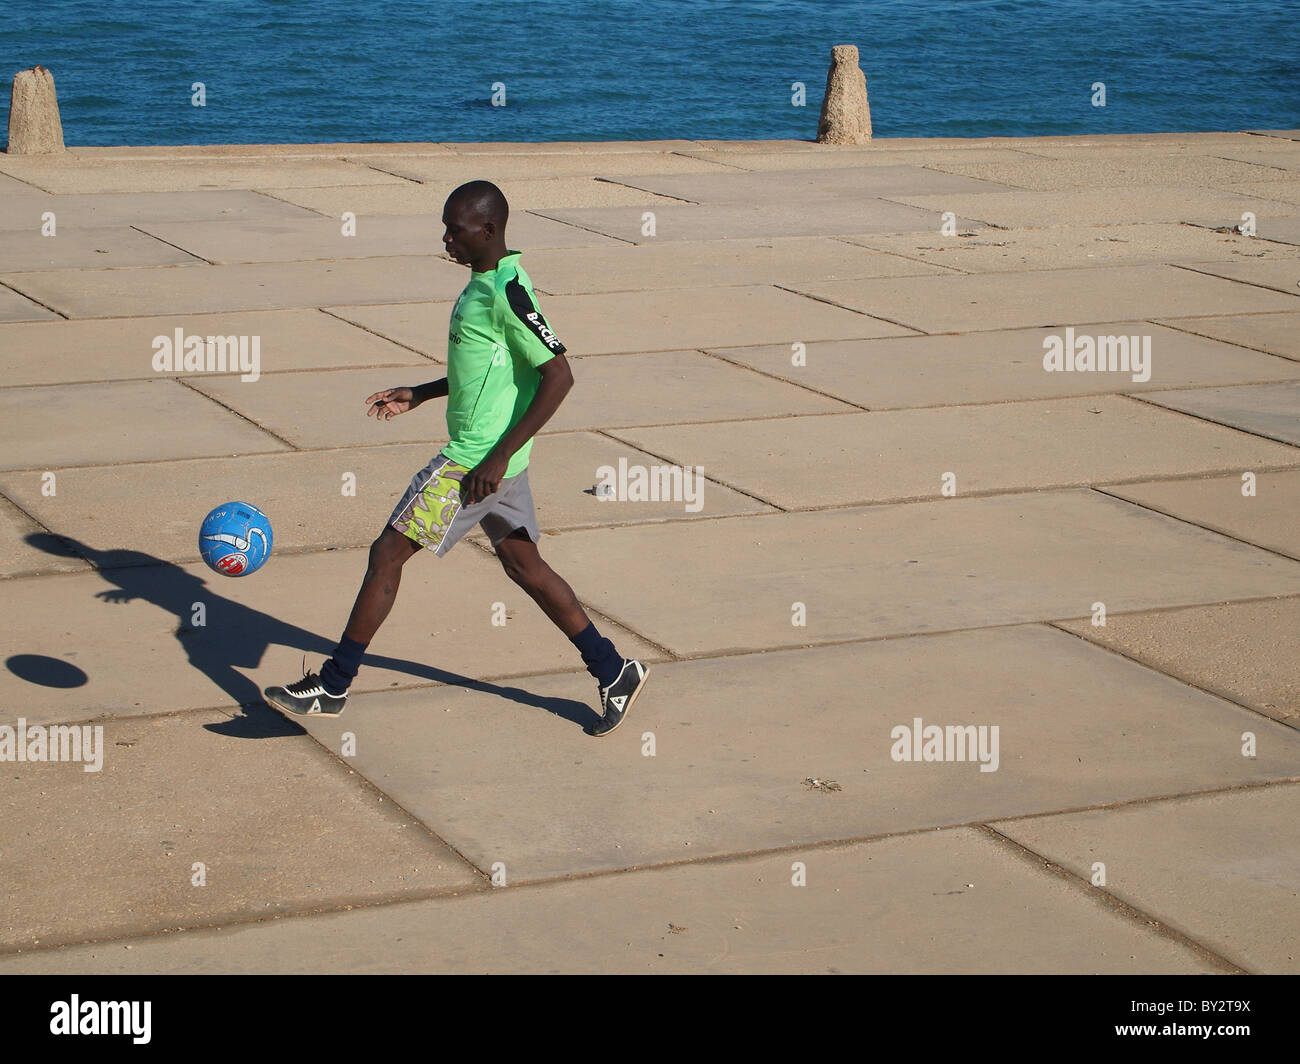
382	70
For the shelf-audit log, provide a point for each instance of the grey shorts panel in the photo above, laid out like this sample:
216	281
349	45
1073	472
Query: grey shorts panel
432	514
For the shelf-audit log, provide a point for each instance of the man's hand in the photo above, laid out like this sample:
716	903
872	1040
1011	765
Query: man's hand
484	479
387	404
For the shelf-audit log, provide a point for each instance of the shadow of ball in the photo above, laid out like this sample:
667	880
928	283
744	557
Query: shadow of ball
48	672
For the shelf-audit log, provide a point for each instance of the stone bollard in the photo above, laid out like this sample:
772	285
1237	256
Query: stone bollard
34	125
846	115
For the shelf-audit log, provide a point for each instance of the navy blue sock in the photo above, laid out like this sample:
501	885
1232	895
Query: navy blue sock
338	673
598	654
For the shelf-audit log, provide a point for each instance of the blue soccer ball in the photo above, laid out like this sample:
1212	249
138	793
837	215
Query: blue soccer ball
235	539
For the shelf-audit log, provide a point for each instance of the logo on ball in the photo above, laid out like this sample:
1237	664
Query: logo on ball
235	539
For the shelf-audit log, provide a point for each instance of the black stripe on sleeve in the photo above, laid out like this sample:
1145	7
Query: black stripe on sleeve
527	312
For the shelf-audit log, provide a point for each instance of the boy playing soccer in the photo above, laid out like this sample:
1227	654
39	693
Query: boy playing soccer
506	376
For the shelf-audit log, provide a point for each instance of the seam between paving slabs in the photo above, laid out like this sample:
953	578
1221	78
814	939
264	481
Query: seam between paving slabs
1111	901
4	284
1197	524
1259	434
187	251
707	860
1212	691
372	332
1165	324
262	428
1191	268
852	310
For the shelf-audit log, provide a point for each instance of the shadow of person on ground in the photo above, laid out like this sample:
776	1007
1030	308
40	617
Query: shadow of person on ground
234	636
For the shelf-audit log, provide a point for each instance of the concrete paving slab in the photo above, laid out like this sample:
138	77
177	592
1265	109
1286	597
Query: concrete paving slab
998	365
1278	334
841	184
86	248
736	221
123	348
933	566
208	289
1285	191
78	424
1267	518
497	167
258	629
16	307
303	834
1112	171
711	263
69	175
1276	153
295	488
677	387
637	322
256	151
1281	230
292	488
1062	247
328	409
1281	274
596	148
521	193
729	778
1221	868
857	914
1104	206
1128	144
12	186
1269	410
303	238
1041	298
419	326
18	557
903	455
100	211
826	157
1245	651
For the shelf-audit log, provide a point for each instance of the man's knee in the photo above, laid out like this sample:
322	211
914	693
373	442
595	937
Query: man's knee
390	549
520	561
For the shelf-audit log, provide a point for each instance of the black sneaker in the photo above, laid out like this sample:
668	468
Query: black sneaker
306	698
617	698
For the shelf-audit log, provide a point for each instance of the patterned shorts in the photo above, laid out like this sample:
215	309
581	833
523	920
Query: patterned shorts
432	513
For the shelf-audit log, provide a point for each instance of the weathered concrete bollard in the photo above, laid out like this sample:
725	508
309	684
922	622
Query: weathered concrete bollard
34	125
846	115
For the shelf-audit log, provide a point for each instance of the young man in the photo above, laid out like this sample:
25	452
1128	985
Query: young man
506	376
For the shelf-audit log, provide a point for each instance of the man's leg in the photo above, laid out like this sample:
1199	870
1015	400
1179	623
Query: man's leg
620	680
524	565
388	554
326	694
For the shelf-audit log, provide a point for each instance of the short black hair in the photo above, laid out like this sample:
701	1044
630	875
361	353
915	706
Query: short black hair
486	200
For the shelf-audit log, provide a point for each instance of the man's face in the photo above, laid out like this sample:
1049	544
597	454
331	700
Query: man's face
467	235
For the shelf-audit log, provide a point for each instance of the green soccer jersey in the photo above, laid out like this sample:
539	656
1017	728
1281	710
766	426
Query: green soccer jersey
496	339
